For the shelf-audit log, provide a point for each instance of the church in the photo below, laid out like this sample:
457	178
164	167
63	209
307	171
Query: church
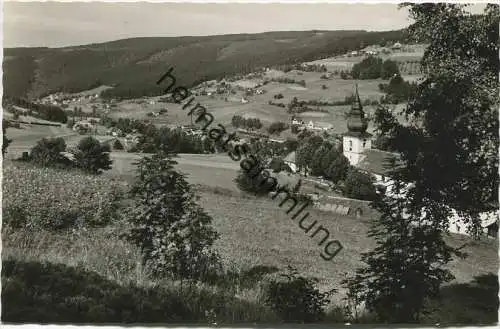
357	148
357	145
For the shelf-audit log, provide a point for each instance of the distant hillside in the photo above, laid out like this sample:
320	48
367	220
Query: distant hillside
134	65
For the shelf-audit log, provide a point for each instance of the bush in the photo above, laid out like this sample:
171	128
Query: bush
359	185
55	199
6	141
296	299
277	165
117	145
389	69
328	162
47	153
247	183
91	156
277	127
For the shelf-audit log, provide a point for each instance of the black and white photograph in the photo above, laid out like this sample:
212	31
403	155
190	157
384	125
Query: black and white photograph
250	164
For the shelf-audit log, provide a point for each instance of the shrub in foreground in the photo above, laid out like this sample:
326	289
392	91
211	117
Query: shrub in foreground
296	299
71	295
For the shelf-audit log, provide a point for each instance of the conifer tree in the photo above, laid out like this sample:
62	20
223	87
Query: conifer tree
173	232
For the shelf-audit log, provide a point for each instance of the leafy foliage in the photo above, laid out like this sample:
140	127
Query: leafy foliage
251	123
328	162
42	111
41	292
92	156
251	183
277	165
117	145
374	68
172	231
398	90
359	185
297	299
389	69
453	115
47	153
306	149
322	158
277	127
405	267
6	141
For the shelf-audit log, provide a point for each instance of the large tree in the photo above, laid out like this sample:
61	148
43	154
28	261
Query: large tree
450	151
92	156
305	152
328	162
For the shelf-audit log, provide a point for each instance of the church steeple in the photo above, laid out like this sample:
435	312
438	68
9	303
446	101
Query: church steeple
356	123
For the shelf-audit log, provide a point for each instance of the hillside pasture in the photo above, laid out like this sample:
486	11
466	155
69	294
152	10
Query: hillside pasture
261	232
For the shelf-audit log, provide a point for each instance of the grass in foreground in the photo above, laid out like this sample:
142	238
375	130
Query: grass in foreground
108	276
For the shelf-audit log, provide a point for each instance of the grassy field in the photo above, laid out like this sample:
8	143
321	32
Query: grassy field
256	231
261	231
258	107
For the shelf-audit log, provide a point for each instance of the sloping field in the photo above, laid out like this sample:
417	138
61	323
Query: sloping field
260	232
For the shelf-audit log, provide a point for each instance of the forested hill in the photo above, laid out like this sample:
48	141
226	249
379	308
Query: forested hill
134	65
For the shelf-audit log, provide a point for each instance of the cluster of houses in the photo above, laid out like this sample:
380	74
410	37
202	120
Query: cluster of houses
59	99
375	50
314	126
228	90
357	148
157	114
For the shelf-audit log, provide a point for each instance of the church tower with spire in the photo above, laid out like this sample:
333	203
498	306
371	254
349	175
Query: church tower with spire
356	139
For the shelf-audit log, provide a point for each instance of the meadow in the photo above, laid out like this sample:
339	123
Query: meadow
254	232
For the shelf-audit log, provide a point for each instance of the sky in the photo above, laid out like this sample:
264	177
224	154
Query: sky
58	24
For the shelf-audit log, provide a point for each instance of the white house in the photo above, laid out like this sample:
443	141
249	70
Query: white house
397	45
290	161
357	148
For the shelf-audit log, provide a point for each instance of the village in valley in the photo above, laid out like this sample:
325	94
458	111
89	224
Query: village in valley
316	125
